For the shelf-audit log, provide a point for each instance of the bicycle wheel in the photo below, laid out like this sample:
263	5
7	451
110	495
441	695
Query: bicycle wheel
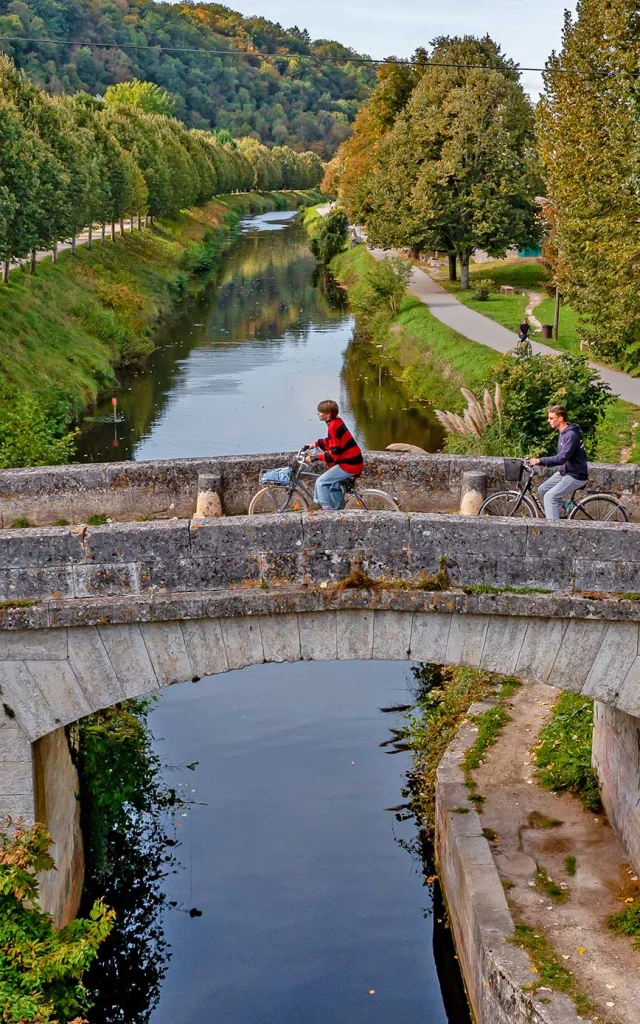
505	503
277	499
369	499
600	508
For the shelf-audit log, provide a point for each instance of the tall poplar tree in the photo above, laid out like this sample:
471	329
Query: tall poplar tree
589	139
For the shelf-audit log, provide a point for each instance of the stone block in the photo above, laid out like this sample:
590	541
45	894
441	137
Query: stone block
457	536
22	699
429	636
628	699
622	576
36	584
329	542
242	642
545	573
392	635
575	656
34	645
234	547
59	685
14	744
280	637
540	648
355	635
502	643
91	663
205	647
318	640
130	659
43	548
105	580
466	640
17	805
168	653
162	541
611	665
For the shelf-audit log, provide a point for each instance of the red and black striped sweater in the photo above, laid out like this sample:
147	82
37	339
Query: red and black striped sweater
340	448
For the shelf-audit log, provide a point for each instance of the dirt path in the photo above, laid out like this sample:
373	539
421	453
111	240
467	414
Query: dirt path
535	298
605	965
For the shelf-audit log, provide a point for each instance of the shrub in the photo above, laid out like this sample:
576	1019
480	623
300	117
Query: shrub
388	282
41	969
530	386
29	433
330	236
481	289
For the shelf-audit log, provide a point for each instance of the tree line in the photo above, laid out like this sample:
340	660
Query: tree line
455	159
71	162
290	97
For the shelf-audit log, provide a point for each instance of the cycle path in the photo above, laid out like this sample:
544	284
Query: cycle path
476	327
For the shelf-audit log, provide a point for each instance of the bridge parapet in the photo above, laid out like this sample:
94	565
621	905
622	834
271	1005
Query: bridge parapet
131	559
128	491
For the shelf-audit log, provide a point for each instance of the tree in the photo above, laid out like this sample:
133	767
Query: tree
589	130
458	170
145	95
41	969
330	236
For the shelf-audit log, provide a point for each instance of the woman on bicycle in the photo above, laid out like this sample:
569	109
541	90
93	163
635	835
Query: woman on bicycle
524	330
339	451
571	461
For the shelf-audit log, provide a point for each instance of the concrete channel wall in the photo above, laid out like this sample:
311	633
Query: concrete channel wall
127	491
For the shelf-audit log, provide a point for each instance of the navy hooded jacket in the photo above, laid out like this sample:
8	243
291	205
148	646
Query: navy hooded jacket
571	457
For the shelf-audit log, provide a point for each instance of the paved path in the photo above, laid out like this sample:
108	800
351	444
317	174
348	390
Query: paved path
82	239
476	327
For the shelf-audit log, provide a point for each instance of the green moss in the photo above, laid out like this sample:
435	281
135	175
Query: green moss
5	605
99	520
563	754
538	820
22	524
550	970
549	888
570	865
487	588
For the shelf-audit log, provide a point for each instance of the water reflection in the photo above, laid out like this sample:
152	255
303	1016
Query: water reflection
242	367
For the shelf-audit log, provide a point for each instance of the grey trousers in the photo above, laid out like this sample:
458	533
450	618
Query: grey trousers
554	492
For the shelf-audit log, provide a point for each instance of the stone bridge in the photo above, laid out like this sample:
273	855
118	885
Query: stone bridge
92	616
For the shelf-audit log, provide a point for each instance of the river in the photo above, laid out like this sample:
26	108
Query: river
299	890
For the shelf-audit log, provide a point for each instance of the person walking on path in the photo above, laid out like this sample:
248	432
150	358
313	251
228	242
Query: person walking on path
338	450
571	459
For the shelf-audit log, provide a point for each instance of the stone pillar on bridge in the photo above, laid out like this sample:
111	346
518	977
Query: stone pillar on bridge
16	772
472	492
209	496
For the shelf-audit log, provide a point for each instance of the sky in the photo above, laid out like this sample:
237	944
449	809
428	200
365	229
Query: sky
528	31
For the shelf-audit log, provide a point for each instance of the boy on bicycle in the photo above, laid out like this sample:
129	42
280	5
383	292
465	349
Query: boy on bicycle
338	450
571	461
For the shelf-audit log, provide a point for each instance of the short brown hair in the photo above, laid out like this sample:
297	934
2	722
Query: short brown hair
558	410
329	406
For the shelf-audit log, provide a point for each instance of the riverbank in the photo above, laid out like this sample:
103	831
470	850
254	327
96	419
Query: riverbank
433	361
64	331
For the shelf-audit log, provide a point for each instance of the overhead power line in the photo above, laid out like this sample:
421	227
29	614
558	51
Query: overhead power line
320	58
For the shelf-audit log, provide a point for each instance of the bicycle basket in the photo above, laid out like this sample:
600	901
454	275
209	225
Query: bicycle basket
512	470
280	476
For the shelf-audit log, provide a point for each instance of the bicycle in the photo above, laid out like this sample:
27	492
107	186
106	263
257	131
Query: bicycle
525	503
285	491
523	349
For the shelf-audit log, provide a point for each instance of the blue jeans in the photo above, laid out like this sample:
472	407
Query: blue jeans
328	490
555	491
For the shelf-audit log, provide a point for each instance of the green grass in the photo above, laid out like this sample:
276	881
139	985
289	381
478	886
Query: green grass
627	922
570	865
431	358
550	971
563	753
490	726
65	329
538	820
488	588
618	432
549	888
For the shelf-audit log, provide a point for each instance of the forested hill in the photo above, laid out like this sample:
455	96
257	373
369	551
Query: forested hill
295	100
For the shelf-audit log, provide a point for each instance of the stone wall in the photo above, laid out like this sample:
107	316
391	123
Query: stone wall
497	974
129	559
616	758
127	491
57	806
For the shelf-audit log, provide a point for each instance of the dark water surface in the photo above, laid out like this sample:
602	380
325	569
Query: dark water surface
313	903
310	898
242	368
